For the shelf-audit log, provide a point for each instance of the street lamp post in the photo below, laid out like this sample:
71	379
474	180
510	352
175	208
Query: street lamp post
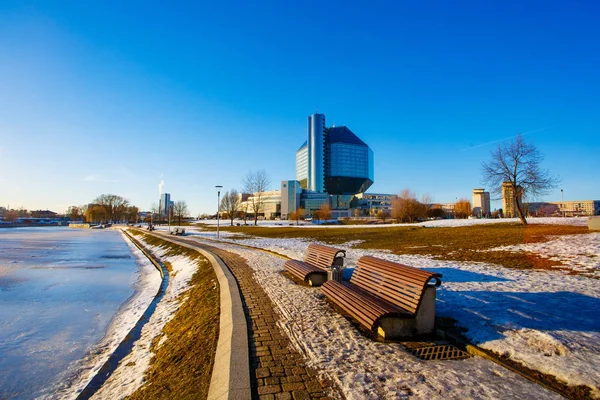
218	187
562	203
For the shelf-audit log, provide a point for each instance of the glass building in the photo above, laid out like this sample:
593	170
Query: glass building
333	160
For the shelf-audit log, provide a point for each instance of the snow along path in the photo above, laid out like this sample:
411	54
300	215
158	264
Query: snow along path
146	287
543	319
129	375
365	369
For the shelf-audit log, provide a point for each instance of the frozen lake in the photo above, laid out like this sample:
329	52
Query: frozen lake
59	290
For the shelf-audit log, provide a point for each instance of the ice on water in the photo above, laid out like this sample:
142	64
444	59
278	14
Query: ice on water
59	290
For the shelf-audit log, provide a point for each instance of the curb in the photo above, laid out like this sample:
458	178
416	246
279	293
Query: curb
230	378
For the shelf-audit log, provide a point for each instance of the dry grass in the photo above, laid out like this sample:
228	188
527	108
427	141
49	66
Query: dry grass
182	365
468	243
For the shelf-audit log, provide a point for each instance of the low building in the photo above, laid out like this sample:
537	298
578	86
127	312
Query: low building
270	204
43	214
373	203
575	208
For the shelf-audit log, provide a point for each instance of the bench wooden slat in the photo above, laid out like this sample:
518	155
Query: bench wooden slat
380	288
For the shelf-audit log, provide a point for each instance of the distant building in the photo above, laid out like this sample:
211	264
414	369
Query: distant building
481	202
447	207
43	214
270	208
165	204
333	160
291	192
509	208
575	208
372	203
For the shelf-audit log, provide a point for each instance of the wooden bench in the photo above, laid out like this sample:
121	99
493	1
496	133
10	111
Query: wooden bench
389	299
318	259
178	232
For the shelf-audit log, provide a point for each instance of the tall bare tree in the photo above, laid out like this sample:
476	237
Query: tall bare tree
114	206
230	204
180	210
256	184
518	164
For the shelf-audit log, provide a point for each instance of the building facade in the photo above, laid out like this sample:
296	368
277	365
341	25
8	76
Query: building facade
481	203
509	208
291	192
373	203
575	208
333	160
164	204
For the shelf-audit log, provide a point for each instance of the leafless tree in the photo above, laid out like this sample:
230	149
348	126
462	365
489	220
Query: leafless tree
180	210
324	212
383	215
154	213
518	163
462	209
75	213
406	207
114	206
256	183
297	215
230	204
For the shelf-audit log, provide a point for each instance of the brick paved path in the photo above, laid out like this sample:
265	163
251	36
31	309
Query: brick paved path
277	370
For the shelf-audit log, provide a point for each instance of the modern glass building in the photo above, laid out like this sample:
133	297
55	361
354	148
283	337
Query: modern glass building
333	160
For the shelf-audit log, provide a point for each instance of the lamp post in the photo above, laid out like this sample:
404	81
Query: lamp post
562	203
218	187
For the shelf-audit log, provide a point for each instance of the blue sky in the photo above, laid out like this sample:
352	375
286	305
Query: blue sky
113	98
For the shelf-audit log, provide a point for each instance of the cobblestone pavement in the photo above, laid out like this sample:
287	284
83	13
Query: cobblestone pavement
278	371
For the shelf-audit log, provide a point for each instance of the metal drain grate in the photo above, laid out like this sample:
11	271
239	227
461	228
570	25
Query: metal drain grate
439	352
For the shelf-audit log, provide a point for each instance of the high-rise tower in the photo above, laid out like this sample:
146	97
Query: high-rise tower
316	153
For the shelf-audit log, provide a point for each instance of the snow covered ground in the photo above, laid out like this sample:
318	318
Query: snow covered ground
543	319
129	376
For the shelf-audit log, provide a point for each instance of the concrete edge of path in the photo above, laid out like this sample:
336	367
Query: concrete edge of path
231	371
230	378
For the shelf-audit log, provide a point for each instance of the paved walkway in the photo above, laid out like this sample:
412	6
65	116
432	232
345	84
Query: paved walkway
277	369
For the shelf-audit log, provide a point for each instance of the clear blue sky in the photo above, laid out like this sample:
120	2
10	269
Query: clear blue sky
102	97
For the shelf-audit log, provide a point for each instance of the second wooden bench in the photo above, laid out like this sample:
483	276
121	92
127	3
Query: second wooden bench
389	299
318	259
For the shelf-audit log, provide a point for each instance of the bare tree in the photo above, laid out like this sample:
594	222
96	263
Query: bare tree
256	183
383	214
180	210
230	204
462	209
114	206
406	207
297	215
518	164
74	213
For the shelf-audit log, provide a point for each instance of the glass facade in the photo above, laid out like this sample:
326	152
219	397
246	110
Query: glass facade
348	160
302	165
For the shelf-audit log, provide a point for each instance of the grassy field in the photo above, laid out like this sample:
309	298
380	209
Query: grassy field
182	365
466	243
